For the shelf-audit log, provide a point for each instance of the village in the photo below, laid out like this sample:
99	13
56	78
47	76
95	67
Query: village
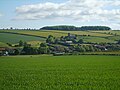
70	44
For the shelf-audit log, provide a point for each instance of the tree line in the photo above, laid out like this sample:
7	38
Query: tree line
73	28
65	28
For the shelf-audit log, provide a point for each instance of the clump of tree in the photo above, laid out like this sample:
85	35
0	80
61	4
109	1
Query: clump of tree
118	42
21	43
60	27
43	49
95	28
86	48
81	41
73	28
17	52
28	50
50	39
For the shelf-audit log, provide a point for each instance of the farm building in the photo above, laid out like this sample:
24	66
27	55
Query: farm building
68	42
3	51
101	47
58	53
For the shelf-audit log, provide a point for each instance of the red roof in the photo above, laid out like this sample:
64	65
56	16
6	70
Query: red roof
2	49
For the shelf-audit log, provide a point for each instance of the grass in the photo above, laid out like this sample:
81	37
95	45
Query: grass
97	39
115	38
37	33
3	44
14	38
35	43
103	53
84	33
109	32
95	36
60	73
56	33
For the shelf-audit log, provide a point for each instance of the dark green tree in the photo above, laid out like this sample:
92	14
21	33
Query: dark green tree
81	41
43	45
17	52
43	49
50	39
73	28
91	48
21	43
118	42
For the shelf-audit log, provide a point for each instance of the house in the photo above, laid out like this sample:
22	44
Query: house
68	42
58	53
3	51
101	47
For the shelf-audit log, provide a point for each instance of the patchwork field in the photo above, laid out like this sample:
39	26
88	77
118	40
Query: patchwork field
13	36
108	32
43	33
95	39
60	73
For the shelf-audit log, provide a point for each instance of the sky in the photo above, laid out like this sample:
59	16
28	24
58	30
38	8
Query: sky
39	13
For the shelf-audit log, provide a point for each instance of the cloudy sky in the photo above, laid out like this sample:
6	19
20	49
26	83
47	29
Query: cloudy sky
38	13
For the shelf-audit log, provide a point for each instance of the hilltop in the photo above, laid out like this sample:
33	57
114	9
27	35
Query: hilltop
74	28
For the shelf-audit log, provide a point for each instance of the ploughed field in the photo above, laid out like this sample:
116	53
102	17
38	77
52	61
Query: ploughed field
60	73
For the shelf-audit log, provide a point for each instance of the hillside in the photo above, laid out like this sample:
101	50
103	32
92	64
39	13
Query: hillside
50	41
14	36
13	39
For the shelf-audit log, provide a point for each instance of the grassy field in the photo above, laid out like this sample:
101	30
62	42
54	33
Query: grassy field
95	36
108	32
94	39
43	33
82	33
3	44
60	73
14	38
58	33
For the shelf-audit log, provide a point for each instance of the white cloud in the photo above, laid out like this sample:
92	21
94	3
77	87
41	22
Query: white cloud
79	10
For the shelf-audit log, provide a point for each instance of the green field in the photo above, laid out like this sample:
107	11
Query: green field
60	73
94	39
94	36
15	38
43	33
3	44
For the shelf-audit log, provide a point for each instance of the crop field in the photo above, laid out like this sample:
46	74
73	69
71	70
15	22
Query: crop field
108	32
98	39
35	43
95	36
60	73
3	44
57	33
83	33
38	33
14	38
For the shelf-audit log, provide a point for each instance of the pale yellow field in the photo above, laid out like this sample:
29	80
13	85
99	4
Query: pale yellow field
34	43
38	33
3	44
56	33
108	32
83	33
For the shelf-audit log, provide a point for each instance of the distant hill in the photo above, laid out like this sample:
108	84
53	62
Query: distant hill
73	28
